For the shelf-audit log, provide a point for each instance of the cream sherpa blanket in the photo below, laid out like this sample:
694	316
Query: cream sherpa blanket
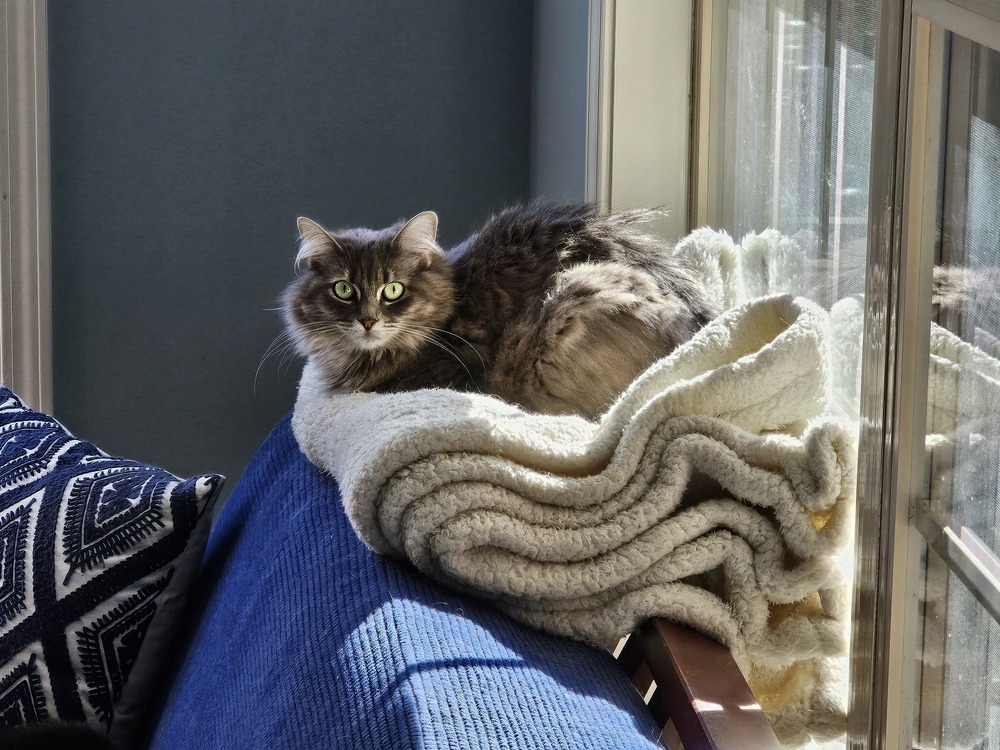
714	493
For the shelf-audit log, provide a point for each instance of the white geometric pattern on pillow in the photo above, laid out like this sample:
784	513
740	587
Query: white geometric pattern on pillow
96	554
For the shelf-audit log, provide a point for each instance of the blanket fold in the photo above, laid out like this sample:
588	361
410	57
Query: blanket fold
716	492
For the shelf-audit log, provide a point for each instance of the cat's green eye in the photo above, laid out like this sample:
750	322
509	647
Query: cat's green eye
343	290
392	291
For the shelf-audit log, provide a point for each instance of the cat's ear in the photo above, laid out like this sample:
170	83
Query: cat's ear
315	243
419	234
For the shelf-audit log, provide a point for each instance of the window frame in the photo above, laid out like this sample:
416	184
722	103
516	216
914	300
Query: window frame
25	204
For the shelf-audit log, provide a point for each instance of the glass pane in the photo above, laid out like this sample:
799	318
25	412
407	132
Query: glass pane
798	102
960	672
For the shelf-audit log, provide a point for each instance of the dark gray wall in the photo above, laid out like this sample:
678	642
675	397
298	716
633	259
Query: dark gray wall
559	106
186	139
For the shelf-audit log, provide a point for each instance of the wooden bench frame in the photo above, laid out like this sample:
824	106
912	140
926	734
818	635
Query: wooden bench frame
701	700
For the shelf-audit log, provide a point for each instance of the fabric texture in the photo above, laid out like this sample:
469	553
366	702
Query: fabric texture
304	638
716	491
97	557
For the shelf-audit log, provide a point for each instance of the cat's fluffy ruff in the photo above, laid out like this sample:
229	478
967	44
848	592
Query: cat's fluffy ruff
553	307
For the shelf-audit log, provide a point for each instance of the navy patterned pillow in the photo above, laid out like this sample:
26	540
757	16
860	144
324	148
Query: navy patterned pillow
96	556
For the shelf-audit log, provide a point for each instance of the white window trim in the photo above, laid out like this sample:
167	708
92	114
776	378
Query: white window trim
639	125
25	204
600	80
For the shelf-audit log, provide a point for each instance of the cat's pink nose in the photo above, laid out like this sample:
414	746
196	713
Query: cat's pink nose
367	322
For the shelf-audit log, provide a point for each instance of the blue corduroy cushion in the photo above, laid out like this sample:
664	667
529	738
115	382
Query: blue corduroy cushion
306	639
96	557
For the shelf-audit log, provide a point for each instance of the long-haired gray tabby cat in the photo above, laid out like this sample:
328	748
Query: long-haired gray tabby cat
554	307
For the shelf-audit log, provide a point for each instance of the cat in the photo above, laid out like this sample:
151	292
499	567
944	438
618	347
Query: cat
554	307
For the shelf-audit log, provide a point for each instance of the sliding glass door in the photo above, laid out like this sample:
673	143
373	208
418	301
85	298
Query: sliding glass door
944	631
868	134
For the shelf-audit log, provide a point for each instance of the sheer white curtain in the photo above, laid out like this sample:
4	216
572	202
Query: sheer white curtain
797	142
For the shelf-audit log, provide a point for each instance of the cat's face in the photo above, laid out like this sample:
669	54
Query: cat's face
369	290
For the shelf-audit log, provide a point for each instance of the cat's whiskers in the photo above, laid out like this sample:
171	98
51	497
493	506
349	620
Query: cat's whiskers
429	333
426	335
280	344
464	341
286	344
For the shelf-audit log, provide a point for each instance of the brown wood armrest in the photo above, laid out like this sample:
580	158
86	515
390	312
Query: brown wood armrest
701	698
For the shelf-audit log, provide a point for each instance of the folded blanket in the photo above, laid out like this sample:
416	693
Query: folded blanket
714	492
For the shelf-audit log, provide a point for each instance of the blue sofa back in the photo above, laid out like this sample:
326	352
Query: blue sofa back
300	637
